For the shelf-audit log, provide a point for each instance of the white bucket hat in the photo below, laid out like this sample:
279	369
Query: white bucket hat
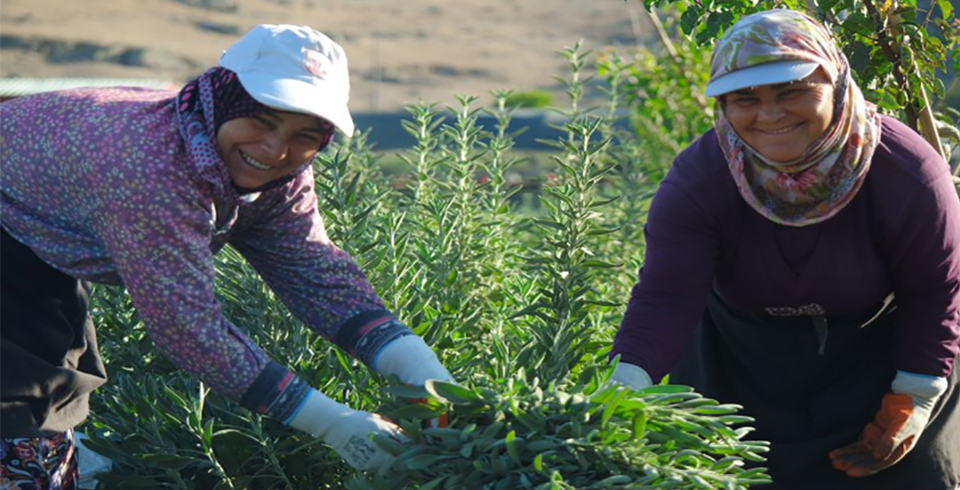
293	68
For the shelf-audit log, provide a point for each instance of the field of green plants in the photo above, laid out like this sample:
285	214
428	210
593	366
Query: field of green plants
519	302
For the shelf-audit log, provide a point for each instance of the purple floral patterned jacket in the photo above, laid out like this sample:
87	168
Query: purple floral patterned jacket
100	184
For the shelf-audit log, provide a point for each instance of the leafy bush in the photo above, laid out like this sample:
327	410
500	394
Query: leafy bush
518	434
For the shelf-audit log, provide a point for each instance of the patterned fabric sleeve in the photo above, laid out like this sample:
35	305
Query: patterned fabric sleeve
317	281
157	233
96	182
160	244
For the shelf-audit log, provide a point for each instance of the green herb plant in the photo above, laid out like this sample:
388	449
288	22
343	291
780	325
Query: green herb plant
514	433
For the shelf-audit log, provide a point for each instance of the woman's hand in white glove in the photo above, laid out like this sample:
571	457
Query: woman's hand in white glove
410	359
631	376
347	431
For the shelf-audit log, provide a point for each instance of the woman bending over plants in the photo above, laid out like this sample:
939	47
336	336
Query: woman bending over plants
141	187
803	260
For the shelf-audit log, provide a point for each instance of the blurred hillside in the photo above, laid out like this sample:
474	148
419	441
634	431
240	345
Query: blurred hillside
399	51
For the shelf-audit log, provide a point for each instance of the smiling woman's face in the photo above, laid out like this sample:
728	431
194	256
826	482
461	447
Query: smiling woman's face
781	120
260	149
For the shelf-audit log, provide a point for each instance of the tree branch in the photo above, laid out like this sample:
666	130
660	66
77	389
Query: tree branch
886	45
928	124
671	49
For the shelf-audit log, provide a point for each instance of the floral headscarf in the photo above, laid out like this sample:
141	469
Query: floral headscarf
828	175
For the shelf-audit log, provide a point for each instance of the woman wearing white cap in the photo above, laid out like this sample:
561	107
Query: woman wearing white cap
803	260
141	187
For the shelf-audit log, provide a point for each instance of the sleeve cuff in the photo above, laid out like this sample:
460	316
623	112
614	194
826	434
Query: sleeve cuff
276	392
922	385
364	335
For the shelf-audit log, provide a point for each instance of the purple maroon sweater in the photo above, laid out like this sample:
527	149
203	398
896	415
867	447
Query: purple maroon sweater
900	234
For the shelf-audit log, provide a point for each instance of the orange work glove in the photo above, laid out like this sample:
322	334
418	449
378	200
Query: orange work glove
895	429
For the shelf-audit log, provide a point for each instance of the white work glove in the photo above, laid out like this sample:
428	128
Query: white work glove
894	431
90	462
347	431
631	376
410	359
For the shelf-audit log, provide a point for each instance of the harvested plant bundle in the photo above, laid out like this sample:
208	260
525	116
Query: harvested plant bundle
519	435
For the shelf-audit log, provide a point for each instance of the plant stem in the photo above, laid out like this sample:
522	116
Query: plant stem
928	125
668	44
269	449
886	44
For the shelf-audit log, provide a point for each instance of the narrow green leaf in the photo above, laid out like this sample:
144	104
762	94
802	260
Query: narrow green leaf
389	444
665	389
718	409
541	445
511	441
179	400
208	432
407	391
434	484
422	461
452	392
613	480
735	419
610	407
169	461
946	7
415	411
639	424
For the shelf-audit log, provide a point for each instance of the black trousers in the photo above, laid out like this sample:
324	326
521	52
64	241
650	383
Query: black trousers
49	363
811	394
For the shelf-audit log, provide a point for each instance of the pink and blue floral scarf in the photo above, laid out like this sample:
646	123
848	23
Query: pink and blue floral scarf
828	175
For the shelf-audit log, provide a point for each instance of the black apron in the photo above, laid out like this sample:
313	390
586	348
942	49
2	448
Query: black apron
812	384
49	361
